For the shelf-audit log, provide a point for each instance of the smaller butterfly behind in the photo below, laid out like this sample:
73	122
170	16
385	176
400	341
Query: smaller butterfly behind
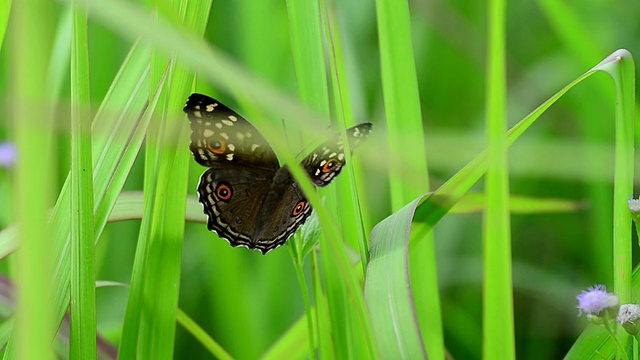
248	198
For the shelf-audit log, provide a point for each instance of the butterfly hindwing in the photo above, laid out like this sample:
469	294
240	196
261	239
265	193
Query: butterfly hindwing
327	160
250	207
219	134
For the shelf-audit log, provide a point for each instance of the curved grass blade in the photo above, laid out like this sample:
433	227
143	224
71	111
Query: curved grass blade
390	238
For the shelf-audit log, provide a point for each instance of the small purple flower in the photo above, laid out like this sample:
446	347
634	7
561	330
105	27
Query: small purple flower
8	154
596	300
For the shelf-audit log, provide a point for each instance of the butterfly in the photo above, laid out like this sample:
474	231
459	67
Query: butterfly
249	199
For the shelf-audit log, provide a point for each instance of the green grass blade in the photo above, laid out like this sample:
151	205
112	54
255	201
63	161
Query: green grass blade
349	329
150	325
289	344
5	10
621	67
392	307
305	31
497	318
404	126
388	261
194	329
133	316
109	165
112	132
83	272
29	56
401	99
346	186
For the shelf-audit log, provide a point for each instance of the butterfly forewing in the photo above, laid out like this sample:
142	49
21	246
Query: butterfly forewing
248	198
219	135
328	159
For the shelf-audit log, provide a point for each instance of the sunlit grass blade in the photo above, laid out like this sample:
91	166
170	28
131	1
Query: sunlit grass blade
109	149
83	272
621	68
353	231
309	64
404	126
112	132
194	329
290	344
34	193
5	9
386	286
322	316
497	305
474	203
401	99
350	329
433	207
150	325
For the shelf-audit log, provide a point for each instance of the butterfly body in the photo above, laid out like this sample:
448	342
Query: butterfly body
248	198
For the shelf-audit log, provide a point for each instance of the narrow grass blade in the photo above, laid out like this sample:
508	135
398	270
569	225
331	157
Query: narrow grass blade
401	99
112	160
621	68
404	126
349	329
149	327
392	307
390	262
83	272
289	345
347	186
497	305
309	63
112	143
5	9
30	52
194	329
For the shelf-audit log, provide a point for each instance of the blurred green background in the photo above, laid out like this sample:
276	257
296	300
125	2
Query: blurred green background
246	301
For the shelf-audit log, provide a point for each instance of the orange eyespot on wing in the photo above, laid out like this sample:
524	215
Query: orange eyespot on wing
297	210
217	146
329	166
224	191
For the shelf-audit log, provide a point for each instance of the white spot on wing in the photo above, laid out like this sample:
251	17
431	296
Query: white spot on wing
225	136
211	107
218	125
208	132
254	147
229	157
231	147
227	122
